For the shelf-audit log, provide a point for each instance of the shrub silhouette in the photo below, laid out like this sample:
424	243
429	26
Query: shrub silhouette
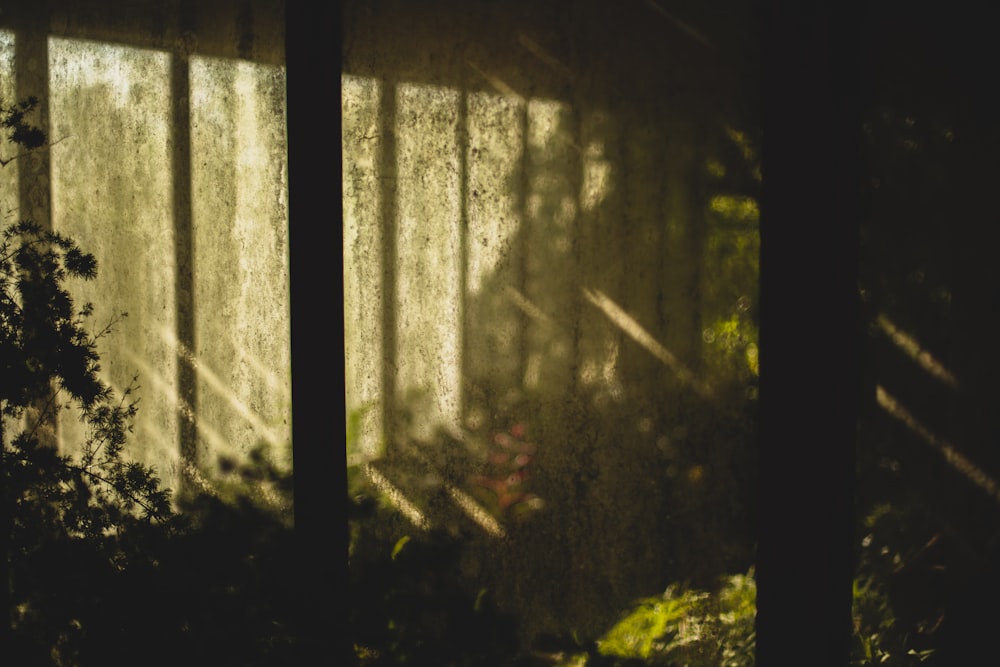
104	565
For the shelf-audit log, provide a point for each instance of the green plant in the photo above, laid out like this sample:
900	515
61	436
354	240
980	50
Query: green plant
687	626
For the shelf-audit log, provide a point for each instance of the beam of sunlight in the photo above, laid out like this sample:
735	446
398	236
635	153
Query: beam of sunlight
498	84
948	452
474	511
639	334
277	386
168	463
537	50
396	497
209	377
549	132
681	25
463	500
530	309
911	347
168	390
168	454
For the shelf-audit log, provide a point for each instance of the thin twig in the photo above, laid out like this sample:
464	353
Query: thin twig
93	475
4	162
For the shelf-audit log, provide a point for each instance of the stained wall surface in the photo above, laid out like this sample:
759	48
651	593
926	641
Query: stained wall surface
167	160
550	267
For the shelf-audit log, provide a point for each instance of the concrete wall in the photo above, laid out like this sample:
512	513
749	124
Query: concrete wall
168	162
550	249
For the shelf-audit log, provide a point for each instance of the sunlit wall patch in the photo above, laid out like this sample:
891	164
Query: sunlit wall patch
429	254
735	209
240	238
363	262
597	172
173	171
496	126
112	188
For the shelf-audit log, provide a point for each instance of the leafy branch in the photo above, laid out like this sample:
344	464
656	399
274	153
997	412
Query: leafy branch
90	502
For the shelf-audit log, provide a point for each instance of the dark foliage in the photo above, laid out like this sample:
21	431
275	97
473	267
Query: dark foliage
408	606
18	129
104	566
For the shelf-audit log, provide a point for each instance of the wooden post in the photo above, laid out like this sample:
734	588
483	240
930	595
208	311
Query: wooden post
313	56
809	350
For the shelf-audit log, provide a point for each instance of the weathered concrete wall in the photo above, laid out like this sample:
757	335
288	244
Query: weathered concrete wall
551	249
168	161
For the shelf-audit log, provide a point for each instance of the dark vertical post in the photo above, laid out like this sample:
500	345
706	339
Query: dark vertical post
809	384
184	250
313	65
6	528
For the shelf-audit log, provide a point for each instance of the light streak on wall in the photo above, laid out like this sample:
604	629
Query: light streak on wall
912	348
949	453
639	334
159	387
530	309
552	201
498	84
475	511
395	496
226	392
540	52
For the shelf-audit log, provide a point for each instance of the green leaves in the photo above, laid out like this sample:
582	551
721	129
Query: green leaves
689	626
